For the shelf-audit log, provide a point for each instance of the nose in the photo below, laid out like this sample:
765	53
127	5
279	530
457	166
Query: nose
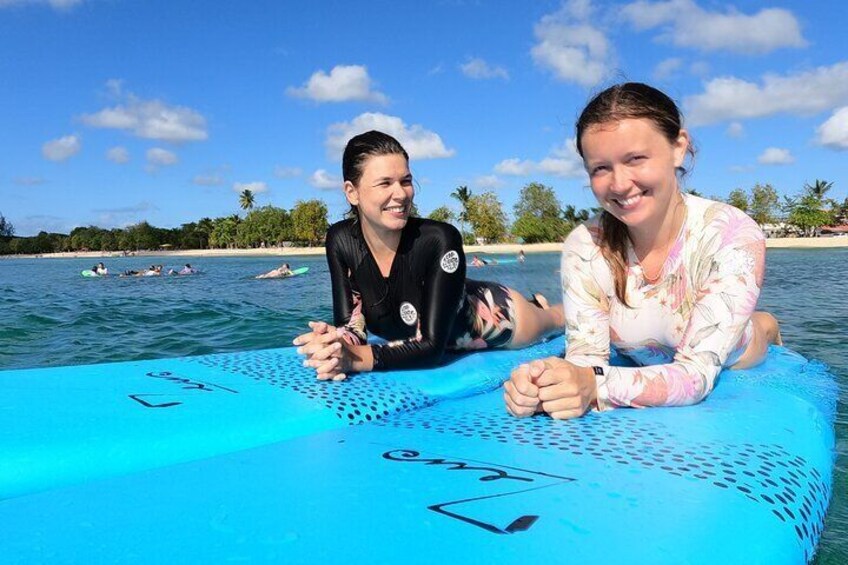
621	181
400	192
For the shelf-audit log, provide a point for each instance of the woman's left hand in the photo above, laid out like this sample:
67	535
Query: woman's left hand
566	390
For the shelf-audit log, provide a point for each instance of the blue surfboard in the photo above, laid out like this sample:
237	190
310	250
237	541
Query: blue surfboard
743	477
68	424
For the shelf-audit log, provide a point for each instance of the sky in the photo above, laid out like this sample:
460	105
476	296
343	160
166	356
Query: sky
118	111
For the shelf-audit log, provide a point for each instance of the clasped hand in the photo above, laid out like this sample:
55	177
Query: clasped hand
551	385
325	351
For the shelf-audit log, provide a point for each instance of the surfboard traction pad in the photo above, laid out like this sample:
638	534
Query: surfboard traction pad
367	398
767	474
354	401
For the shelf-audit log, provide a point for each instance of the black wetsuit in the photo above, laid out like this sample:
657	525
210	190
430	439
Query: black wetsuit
421	302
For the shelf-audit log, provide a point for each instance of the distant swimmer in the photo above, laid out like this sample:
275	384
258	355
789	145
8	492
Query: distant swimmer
521	256
100	270
187	270
477	262
280	272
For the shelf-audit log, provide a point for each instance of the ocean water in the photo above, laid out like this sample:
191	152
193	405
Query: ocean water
52	316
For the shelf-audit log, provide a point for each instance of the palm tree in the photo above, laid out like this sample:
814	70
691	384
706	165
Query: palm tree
246	199
818	188
464	196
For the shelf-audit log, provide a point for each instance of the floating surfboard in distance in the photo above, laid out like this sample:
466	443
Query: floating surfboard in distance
295	272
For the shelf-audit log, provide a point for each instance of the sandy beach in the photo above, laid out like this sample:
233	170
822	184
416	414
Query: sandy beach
498	249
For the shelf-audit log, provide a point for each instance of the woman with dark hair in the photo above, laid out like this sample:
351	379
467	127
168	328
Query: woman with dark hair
668	280
403	278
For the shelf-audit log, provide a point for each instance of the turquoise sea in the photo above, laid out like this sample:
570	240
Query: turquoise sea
53	316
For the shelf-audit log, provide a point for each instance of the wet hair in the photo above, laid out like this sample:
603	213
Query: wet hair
626	101
362	147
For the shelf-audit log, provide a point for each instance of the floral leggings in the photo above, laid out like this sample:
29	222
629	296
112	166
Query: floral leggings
491	316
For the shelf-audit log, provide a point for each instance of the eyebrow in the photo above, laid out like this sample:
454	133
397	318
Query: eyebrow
407	176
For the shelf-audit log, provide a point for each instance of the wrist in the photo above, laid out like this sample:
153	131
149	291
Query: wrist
361	357
591	377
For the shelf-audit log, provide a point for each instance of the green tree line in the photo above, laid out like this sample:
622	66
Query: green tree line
804	213
304	225
538	217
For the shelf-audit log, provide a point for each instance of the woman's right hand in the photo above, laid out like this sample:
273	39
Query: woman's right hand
320	331
521	393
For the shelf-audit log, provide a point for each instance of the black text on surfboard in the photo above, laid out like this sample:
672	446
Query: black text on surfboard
493	472
187	384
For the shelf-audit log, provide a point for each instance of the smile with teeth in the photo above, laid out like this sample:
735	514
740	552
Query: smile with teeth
628	203
399	209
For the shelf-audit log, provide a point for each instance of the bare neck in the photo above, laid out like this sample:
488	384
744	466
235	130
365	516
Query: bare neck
648	239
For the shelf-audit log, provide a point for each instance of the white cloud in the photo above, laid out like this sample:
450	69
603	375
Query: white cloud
323	180
685	24
122	217
62	148
700	69
344	83
287	172
437	70
118	155
741	168
55	4
256	187
731	98
418	142
488	181
477	68
834	132
115	87
149	119
570	47
515	167
776	156
665	69
563	161
158	157
213	179
29	181
32	225
735	130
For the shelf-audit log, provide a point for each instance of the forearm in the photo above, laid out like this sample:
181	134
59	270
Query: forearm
408	354
672	384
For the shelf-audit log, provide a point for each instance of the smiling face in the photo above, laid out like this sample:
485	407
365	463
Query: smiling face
632	170
383	194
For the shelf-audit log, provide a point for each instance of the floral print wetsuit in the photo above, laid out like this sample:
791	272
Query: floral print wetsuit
680	330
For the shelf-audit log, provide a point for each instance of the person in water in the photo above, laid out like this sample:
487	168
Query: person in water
100	269
521	256
282	271
668	280
187	270
477	262
403	278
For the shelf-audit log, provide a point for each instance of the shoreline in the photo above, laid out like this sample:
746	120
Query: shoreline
494	249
